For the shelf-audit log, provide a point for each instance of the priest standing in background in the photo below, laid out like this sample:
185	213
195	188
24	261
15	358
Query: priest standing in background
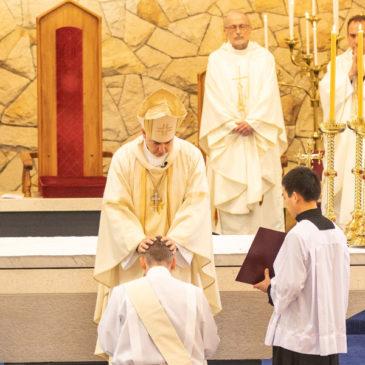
242	132
345	111
156	184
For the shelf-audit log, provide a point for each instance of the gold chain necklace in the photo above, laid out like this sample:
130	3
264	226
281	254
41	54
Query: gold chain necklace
156	200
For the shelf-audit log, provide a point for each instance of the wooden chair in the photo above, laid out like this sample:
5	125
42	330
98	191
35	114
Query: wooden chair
70	156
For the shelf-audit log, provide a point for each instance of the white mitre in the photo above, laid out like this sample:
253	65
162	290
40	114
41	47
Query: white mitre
160	114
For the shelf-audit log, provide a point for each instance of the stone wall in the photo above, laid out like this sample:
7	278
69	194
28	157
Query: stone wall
148	44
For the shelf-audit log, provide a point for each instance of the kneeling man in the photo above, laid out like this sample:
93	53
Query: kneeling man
158	319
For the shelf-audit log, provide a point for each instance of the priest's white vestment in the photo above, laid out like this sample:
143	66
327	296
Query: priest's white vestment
244	172
345	142
128	215
123	336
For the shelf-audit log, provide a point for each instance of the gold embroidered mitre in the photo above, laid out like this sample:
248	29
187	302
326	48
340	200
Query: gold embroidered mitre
160	114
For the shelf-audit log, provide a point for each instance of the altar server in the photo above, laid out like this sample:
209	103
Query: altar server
311	284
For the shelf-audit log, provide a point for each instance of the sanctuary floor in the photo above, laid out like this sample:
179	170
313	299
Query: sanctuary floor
47	282
210	362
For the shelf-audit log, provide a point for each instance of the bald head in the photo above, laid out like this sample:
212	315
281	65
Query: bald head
237	29
235	13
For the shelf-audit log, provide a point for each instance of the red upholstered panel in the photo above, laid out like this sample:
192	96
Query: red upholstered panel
71	187
317	166
70	136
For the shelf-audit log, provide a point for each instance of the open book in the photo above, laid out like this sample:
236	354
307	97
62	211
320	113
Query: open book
261	255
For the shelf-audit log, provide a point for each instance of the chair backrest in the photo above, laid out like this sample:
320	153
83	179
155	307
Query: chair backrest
69	92
201	88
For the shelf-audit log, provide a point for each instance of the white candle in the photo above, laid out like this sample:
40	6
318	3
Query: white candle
265	32
315	43
291	19
314	8
360	72
335	14
307	31
333	73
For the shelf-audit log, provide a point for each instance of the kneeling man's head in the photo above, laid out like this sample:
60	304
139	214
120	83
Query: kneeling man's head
158	254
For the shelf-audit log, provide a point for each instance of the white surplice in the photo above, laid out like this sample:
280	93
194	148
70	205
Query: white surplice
310	291
243	170
123	336
345	142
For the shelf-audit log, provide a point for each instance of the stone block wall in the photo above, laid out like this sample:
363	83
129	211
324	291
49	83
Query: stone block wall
149	44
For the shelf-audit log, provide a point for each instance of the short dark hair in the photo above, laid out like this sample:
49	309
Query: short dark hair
303	181
158	253
356	18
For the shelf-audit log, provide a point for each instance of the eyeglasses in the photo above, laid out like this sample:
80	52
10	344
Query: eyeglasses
238	26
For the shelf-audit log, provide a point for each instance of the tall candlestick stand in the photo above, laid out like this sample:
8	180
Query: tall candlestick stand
355	230
306	63
331	129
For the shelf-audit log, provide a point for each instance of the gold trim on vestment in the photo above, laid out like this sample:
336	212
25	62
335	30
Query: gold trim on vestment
144	198
156	322
168	207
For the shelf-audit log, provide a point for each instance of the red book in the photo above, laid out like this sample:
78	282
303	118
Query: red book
261	255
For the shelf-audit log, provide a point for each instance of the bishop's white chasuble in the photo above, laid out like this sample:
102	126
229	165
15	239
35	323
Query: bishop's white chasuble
130	213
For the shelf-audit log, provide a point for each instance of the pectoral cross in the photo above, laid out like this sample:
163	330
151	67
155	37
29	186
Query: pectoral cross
156	202
308	156
165	129
240	103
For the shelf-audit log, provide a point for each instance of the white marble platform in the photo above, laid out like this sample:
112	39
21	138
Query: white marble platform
71	251
50	204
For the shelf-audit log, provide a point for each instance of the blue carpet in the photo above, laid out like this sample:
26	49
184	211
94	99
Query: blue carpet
355	328
356	324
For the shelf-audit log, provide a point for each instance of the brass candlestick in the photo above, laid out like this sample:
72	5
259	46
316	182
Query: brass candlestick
355	231
331	129
307	66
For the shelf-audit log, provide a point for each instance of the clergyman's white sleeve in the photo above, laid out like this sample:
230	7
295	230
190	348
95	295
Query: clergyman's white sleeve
183	256
129	260
209	329
109	325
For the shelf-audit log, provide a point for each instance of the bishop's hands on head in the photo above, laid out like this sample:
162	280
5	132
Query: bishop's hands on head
147	242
